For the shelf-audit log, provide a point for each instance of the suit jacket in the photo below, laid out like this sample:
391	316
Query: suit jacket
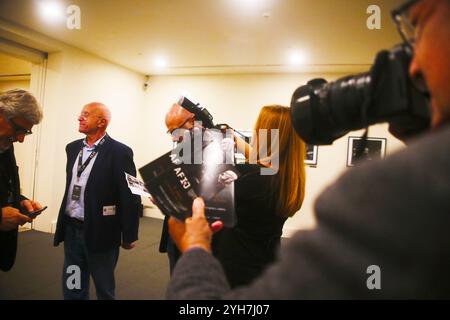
8	239
394	214
106	186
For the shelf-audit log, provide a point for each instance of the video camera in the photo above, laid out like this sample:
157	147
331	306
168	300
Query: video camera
322	112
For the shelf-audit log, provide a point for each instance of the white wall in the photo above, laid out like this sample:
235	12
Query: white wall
236	100
75	78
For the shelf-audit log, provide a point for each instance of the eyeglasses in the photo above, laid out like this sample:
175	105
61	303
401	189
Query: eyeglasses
409	32
86	115
171	132
18	130
405	27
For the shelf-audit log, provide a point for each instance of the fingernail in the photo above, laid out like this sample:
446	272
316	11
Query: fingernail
216	226
199	203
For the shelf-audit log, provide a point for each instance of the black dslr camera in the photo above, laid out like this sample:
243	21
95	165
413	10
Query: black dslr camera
322	112
201	114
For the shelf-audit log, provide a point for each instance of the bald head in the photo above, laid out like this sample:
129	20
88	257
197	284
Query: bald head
94	119
177	116
100	110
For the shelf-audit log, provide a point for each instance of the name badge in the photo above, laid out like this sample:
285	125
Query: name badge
109	210
76	192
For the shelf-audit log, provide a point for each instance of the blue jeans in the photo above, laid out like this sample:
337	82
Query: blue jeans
82	263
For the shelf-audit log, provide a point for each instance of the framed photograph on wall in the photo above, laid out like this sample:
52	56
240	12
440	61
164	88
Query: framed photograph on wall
311	154
375	149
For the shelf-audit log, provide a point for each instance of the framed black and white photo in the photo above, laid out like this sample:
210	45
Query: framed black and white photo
311	154
375	148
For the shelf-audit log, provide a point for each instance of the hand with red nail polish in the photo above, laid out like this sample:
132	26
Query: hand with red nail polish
195	232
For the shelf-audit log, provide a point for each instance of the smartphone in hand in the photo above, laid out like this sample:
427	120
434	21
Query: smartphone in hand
34	214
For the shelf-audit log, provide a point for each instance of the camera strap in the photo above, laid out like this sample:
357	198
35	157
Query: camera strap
364	120
362	146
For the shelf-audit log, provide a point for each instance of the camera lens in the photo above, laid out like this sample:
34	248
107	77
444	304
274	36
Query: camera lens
323	112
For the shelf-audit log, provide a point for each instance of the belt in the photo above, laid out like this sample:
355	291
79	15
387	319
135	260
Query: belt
74	222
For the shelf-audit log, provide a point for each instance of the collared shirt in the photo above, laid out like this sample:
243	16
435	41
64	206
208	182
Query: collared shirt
75	208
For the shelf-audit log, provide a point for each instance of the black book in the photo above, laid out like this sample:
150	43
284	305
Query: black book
195	168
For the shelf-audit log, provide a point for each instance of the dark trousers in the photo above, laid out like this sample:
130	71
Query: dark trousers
172	253
80	264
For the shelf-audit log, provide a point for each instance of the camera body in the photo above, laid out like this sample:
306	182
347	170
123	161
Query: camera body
323	112
201	114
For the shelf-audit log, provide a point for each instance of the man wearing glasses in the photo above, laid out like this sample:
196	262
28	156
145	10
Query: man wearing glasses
382	229
98	214
181	123
178	121
19	111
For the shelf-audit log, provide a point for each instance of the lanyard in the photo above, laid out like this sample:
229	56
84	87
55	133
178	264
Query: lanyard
83	166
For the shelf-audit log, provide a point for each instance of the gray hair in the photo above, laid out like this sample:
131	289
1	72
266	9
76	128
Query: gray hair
20	103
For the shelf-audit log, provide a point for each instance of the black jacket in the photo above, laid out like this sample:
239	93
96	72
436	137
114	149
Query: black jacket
106	186
8	239
249	247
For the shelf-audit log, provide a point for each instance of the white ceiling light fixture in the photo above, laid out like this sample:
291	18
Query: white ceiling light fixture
250	6
296	58
51	11
160	62
250	2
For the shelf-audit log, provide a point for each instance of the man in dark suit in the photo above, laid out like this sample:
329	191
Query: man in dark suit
382	229
177	121
19	111
98	213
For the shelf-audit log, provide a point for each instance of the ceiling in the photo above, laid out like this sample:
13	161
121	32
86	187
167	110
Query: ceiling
219	36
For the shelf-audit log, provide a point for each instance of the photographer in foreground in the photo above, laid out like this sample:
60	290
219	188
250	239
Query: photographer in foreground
393	214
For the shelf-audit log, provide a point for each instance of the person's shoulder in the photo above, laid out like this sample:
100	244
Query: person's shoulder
248	169
250	172
435	142
251	180
118	145
429	151
74	144
423	164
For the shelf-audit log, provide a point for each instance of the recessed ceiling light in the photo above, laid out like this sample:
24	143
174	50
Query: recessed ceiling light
160	62
251	2
51	11
251	6
296	58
